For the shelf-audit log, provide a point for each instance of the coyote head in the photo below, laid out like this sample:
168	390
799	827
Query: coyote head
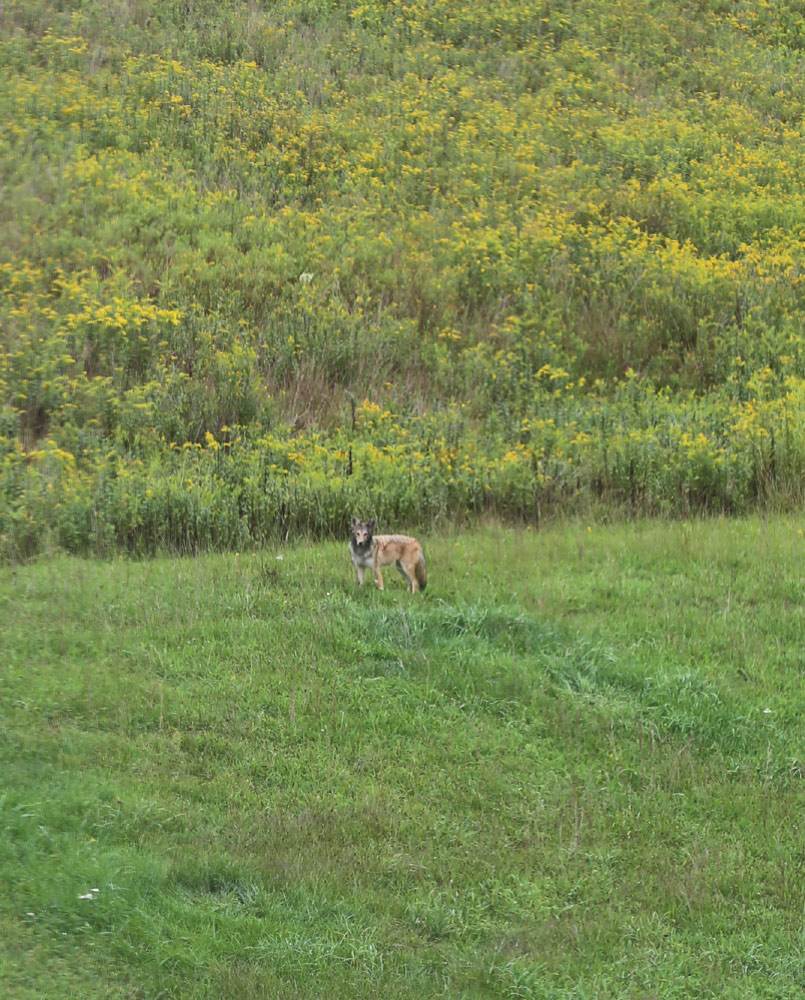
362	534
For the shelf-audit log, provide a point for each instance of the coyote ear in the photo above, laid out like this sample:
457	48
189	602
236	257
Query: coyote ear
371	524
353	521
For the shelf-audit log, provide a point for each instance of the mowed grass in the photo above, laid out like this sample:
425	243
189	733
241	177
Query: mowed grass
572	768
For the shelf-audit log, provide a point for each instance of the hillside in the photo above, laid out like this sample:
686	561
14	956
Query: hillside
572	768
550	252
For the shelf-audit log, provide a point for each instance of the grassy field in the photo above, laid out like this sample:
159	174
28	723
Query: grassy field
568	770
442	262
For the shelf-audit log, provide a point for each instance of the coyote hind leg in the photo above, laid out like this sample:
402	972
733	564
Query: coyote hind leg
408	571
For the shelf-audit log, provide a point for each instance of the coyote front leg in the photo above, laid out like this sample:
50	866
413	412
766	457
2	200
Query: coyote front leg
360	572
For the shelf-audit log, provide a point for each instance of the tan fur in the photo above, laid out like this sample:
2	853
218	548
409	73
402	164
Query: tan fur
369	551
406	552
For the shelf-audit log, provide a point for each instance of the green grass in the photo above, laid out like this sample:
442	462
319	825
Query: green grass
569	770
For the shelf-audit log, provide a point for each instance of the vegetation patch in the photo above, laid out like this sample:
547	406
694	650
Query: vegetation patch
264	266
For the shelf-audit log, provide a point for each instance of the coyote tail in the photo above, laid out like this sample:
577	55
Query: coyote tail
421	573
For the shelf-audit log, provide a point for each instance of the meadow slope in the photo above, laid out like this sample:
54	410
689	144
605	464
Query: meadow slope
262	265
572	769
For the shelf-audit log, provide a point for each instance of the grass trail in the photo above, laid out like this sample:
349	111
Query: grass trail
571	769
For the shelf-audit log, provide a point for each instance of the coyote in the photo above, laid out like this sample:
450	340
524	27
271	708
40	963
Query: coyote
370	551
